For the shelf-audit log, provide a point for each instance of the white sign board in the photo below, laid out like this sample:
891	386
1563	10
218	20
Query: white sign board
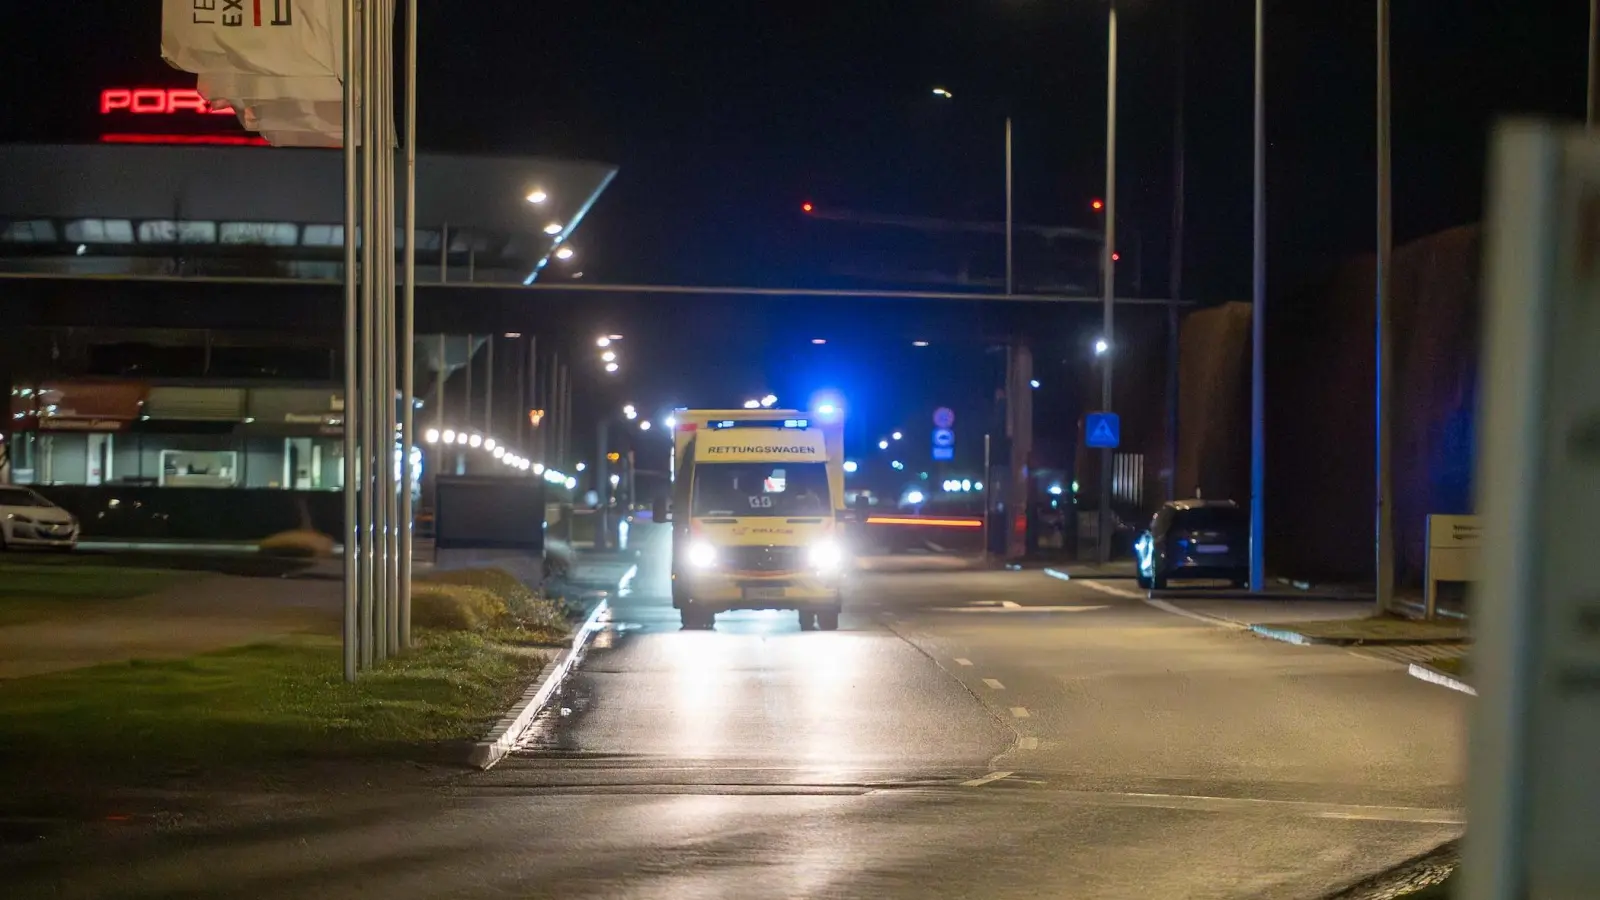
1535	744
1454	546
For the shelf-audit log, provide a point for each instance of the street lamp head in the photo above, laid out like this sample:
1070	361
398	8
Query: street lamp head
769	401
943	92
897	435
554	228
608	356
919	343
432	436
537	196
1097	204
602	342
564	253
1034	384
671	422
582	466
612	368
1101	346
883	445
645	425
752	404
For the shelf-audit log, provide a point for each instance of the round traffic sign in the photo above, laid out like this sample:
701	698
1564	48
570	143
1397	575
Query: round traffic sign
944	437
944	417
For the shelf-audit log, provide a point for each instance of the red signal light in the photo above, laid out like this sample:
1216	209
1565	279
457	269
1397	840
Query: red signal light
1115	257
1097	204
806	206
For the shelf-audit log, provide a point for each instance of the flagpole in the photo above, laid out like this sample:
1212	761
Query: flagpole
408	325
391	373
351	529
369	343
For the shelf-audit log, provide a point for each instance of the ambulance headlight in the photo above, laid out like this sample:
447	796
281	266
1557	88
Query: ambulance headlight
826	556
702	555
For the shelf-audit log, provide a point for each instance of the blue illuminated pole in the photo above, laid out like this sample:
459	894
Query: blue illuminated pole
1258	332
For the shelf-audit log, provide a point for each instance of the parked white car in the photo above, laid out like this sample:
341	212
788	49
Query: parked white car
29	520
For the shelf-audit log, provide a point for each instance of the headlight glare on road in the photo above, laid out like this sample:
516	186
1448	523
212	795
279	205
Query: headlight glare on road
702	555
826	555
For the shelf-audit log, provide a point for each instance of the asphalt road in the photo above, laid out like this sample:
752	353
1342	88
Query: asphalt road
965	734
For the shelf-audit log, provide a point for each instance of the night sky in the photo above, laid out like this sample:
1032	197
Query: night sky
725	117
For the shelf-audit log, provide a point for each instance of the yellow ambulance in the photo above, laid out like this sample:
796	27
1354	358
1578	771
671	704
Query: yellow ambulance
757	497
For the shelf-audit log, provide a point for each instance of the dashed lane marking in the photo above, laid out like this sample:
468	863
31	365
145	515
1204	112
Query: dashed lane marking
987	779
994	684
1020	712
963	661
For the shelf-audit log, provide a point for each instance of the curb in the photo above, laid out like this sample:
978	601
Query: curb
503	736
1434	676
1295	637
1415	874
1288	637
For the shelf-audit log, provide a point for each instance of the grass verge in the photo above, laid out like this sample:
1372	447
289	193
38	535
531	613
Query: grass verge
31	591
258	710
1455	665
1378	629
248	708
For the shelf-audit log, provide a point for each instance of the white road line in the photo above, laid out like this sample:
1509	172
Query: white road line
1111	589
1010	604
1014	608
963	661
994	684
1028	743
1057	573
1315	809
980	782
1164	606
1020	712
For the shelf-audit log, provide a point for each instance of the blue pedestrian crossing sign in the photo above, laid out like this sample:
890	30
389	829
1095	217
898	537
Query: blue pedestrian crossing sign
1102	429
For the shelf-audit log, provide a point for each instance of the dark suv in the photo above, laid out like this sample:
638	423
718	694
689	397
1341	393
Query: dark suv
1195	539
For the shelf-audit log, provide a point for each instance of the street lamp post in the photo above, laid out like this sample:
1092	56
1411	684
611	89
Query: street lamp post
1108	281
1010	207
1010	218
1383	530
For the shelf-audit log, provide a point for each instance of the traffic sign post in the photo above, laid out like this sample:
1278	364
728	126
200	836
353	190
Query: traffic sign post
944	437
1102	429
1532	790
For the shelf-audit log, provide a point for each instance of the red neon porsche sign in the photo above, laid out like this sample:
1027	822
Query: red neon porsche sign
158	101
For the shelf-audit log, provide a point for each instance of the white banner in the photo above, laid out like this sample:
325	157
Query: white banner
289	38
294	115
238	91
301	139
